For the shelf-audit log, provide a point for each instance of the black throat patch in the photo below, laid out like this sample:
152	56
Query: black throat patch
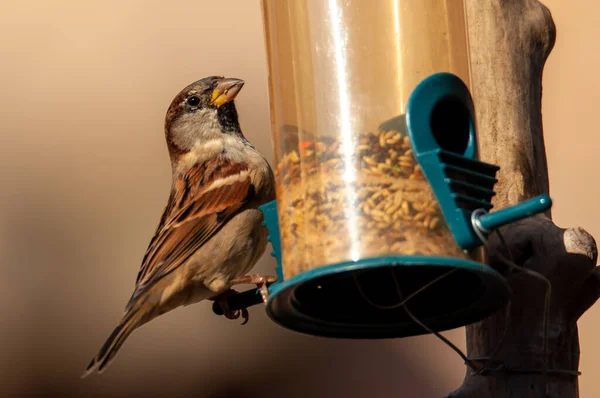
228	119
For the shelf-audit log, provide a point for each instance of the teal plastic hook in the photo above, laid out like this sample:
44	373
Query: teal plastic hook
440	122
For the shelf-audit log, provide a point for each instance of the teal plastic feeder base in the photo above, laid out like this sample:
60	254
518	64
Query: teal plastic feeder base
361	300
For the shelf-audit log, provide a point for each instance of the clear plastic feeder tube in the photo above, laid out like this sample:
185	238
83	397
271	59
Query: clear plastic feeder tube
340	75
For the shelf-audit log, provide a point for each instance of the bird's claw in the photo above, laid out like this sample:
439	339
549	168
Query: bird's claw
245	315
264	292
227	312
236	314
262	282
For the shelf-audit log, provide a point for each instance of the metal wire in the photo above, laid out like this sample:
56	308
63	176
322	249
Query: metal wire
547	299
402	302
486	369
420	323
481	231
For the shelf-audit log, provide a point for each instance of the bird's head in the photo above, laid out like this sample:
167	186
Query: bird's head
201	111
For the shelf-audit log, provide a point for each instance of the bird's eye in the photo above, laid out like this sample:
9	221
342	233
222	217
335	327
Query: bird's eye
193	101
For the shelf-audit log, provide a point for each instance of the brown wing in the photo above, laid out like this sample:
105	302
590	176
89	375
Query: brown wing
202	200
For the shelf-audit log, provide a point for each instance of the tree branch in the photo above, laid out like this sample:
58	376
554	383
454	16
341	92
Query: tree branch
510	42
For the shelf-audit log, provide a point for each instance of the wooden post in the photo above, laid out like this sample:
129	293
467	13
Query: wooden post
510	41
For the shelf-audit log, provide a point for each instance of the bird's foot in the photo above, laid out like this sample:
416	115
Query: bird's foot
221	300
262	282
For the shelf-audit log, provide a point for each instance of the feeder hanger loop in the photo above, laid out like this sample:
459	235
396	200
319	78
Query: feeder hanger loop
480	230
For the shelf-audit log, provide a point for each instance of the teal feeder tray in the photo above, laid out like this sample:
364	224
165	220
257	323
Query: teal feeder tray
328	301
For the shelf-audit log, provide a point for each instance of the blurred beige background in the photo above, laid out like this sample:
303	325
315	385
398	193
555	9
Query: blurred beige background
85	174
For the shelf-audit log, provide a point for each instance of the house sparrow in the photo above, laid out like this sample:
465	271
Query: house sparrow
210	234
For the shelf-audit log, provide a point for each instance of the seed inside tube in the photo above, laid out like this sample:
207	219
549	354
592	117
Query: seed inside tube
395	209
369	160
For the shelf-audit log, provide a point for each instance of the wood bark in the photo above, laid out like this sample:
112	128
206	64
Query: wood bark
510	41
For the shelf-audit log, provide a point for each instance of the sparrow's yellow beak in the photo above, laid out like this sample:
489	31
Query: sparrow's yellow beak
225	91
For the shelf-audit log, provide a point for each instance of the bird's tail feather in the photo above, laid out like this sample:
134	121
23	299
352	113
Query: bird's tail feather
129	322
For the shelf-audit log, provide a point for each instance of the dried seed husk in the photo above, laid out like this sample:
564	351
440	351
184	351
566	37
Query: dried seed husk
369	160
389	192
419	217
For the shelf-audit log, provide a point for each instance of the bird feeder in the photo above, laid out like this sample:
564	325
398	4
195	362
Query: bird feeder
381	196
